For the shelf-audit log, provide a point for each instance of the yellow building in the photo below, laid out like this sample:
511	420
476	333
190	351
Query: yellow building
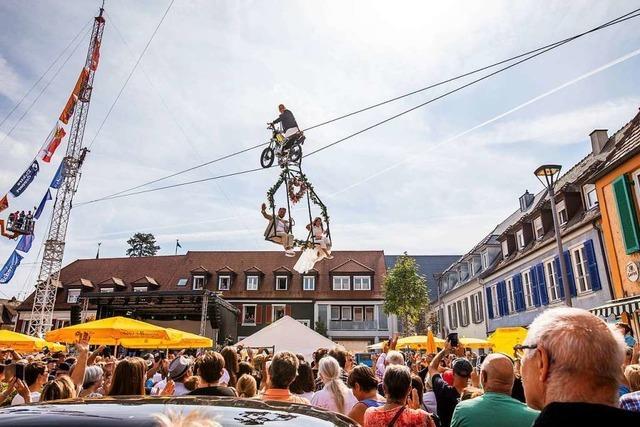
617	184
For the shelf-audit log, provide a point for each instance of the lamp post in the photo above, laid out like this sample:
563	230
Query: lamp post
550	174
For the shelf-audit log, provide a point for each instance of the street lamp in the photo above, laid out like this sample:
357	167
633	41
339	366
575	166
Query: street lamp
550	174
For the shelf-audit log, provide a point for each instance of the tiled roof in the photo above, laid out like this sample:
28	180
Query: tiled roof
627	142
430	266
167	270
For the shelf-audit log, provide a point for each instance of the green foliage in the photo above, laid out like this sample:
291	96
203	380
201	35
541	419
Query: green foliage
321	328
142	244
405	292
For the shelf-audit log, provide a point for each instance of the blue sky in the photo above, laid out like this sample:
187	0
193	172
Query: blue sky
216	71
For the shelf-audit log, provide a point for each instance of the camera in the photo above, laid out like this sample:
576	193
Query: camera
453	339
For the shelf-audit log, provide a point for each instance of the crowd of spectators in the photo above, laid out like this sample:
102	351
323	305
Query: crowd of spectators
572	369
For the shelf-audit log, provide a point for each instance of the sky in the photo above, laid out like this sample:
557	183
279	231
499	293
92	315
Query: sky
430	182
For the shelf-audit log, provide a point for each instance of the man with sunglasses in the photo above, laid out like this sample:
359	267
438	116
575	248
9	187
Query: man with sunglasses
496	407
571	368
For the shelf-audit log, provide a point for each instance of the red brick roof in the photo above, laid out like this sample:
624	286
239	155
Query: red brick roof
167	270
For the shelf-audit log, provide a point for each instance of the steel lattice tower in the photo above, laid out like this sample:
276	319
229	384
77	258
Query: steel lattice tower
48	278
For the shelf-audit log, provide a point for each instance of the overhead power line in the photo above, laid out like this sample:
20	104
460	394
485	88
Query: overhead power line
525	58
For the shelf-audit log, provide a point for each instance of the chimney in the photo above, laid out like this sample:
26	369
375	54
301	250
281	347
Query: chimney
599	138
525	200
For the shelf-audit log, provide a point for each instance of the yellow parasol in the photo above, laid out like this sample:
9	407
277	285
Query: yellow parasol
431	342
111	331
420	342
181	340
505	338
25	343
475	343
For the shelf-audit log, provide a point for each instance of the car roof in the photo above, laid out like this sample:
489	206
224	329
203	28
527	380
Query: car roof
142	411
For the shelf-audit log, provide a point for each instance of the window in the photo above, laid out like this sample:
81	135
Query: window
563	217
362	283
182	282
282	282
72	295
335	312
520	238
537	225
476	308
358	314
346	312
590	196
341	283
198	283
224	283
308	283
140	289
106	290
580	270
278	311
495	301
552	284
252	283
463	312
368	313
526	286
453	316
249	314
511	296
484	260
505	249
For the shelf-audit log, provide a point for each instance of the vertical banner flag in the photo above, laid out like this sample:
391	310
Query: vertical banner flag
95	56
53	144
10	267
4	203
46	198
25	242
73	98
26	179
58	177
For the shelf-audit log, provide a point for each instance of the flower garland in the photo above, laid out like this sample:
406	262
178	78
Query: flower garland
296	196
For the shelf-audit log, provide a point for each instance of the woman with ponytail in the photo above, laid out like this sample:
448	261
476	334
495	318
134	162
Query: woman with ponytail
335	395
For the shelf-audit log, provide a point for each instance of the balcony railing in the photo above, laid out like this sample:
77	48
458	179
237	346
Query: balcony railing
348	325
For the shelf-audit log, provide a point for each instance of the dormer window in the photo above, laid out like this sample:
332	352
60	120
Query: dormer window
563	216
484	260
282	283
140	289
224	283
73	295
538	227
106	290
505	249
198	283
590	196
520	239
252	283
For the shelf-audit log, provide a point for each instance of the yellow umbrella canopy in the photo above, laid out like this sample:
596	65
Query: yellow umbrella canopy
110	331
181	339
419	342
505	338
475	343
25	343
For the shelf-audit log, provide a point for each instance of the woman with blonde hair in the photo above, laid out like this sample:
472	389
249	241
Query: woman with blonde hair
129	377
60	388
335	395
246	386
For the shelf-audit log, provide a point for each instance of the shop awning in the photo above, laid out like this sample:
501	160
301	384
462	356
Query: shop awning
618	306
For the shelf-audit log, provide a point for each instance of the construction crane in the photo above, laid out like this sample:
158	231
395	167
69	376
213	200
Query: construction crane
49	276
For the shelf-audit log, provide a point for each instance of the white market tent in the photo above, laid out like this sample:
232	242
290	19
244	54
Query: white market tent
287	334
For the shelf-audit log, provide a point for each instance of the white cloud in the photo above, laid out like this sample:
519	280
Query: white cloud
11	85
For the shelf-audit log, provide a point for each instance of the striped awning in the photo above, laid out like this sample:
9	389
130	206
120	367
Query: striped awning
617	307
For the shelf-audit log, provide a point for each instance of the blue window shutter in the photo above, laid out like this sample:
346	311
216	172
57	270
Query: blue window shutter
542	284
570	277
592	265
502	296
559	281
533	276
519	292
489	302
627	214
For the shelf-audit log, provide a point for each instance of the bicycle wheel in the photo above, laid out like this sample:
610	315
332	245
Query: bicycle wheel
266	158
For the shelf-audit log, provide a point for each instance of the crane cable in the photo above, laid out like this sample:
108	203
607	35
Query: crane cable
537	52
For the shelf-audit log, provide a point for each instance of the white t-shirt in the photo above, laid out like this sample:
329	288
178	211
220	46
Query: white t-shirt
19	400
225	378
178	389
324	399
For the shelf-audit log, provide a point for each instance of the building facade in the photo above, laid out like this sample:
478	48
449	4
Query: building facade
618	189
342	295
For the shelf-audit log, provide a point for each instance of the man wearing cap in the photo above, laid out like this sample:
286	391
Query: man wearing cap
179	371
447	396
496	377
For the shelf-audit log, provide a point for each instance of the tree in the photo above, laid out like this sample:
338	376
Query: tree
405	293
321	328
142	244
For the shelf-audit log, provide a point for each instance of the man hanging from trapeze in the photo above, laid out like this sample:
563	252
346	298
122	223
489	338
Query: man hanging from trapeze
279	230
